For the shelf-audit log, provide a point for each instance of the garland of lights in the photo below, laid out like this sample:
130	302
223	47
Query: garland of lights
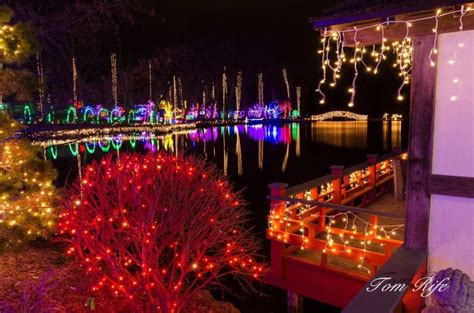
74	80
113	62
261	97
287	85
298	99
150	83
238	91
370	231
403	51
339	114
224	90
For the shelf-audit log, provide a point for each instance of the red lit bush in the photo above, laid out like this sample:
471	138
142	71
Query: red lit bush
157	230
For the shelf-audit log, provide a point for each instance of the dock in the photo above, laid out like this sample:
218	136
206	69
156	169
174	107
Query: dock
329	236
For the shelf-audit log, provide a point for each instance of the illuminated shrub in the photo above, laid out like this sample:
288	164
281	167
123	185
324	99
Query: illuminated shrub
27	195
157	230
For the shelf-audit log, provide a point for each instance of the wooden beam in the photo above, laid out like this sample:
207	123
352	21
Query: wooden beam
420	149
367	34
401	268
452	186
380	12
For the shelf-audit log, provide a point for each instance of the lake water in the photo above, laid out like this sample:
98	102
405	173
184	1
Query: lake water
252	156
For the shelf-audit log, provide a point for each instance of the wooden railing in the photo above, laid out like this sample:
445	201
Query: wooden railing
325	215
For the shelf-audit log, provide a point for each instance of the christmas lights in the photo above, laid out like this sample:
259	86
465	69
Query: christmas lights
403	51
339	114
27	206
153	244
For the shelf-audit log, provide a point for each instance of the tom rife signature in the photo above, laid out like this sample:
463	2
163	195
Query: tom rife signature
427	285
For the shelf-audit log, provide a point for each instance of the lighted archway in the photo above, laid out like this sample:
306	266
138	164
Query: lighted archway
27	118
102	112
88	111
71	116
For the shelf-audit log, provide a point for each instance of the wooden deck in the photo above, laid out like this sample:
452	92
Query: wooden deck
385	203
330	235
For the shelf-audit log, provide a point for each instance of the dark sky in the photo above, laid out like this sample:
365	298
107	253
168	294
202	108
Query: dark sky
258	35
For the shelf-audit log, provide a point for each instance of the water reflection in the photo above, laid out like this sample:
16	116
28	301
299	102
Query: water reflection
351	134
242	149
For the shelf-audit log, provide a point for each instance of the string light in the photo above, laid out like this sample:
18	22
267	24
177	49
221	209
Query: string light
238	91
150	83
39	71
403	51
27	199
261	96
298	99
224	89
323	66
180	93
287	84
339	114
356	71
74	80
113	62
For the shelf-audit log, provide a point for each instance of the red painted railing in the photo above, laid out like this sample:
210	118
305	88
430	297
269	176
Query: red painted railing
325	215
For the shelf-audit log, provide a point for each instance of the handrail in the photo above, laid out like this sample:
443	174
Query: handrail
309	184
300	188
401	268
338	207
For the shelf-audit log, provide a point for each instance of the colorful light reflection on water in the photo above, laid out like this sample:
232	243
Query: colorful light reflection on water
230	146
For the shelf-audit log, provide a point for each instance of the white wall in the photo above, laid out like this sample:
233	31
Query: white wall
451	230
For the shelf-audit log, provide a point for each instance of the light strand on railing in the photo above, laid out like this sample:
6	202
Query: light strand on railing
368	235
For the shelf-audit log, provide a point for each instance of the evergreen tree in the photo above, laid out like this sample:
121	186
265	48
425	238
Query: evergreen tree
27	195
17	43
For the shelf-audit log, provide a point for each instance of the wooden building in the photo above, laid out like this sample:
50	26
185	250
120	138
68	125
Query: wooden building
438	216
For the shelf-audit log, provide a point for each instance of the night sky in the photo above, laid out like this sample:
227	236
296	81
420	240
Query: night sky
258	35
195	40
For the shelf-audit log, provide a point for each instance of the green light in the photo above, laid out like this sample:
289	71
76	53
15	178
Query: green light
131	116
75	150
152	117
106	114
118	145
133	143
71	111
88	110
27	114
54	152
90	150
50	117
105	148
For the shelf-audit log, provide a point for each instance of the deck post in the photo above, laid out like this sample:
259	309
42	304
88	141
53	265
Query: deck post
398	181
336	171
420	147
295	302
372	159
277	248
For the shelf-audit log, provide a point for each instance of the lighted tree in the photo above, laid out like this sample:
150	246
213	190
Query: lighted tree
156	230
26	191
17	42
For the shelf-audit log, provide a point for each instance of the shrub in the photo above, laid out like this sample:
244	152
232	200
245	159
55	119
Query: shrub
27	194
157	230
